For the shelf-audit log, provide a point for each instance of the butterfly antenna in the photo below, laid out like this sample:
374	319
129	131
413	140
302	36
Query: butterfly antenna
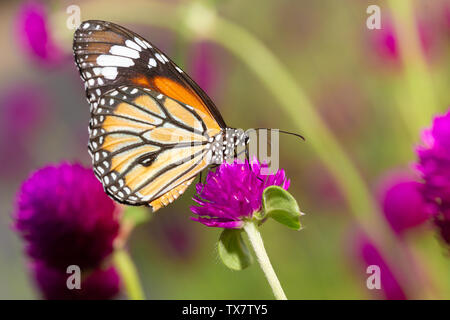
285	132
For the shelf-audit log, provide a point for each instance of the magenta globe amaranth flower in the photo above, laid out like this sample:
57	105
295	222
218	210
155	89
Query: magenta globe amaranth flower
242	196
434	166
65	217
233	193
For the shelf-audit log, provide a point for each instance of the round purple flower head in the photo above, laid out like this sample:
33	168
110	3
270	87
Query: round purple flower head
434	165
233	193
65	217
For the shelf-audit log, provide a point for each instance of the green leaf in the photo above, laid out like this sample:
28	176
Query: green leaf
233	251
136	215
282	207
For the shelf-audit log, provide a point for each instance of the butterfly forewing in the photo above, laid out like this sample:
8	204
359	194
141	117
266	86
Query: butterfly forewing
108	55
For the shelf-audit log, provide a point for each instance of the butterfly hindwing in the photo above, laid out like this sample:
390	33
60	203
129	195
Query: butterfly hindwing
146	147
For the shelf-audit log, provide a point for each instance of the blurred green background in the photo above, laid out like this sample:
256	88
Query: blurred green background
356	84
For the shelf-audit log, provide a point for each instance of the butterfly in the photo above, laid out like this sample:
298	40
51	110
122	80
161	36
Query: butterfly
152	128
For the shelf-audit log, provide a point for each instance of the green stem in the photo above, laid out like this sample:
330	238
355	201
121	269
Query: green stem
261	255
128	274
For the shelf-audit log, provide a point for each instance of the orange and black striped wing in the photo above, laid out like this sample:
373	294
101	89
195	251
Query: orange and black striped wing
146	147
108	56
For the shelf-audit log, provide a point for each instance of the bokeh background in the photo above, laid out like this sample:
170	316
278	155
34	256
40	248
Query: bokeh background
373	99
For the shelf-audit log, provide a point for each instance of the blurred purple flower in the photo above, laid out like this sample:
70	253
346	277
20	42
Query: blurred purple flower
34	35
384	41
233	193
402	201
368	254
434	166
97	285
65	217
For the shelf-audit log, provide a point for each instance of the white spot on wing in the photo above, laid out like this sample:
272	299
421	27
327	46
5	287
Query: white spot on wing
106	60
132	44
139	42
158	56
152	62
109	72
124	51
147	44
